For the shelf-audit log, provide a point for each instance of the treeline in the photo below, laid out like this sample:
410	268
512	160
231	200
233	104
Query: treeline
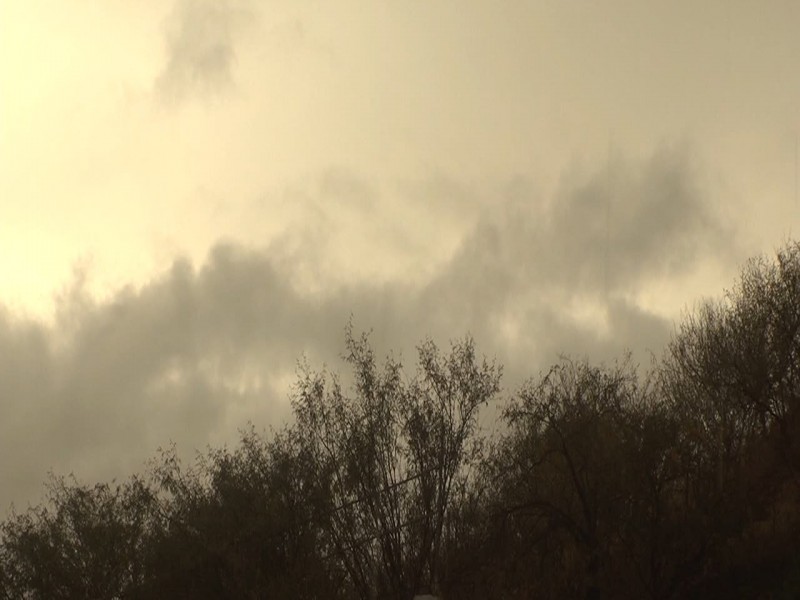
683	483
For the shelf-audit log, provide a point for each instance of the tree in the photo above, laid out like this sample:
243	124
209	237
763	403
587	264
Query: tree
684	484
734	367
389	459
239	525
732	377
88	544
563	470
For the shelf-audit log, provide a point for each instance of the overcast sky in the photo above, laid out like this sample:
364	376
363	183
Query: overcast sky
196	193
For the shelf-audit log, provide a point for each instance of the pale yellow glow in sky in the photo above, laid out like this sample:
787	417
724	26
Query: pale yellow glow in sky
553	176
98	169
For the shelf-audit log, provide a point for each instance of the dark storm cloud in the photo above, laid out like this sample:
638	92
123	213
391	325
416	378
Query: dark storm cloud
600	240
193	354
200	44
606	232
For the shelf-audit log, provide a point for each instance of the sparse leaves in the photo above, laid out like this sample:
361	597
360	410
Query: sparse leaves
683	484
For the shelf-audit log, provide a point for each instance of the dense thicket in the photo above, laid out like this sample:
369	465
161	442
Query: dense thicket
684	483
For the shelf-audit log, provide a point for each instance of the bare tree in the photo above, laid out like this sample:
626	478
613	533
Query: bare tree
390	457
563	465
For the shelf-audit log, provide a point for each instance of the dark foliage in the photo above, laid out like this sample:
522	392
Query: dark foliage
603	484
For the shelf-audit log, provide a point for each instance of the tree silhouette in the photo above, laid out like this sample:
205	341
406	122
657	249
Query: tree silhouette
602	483
389	460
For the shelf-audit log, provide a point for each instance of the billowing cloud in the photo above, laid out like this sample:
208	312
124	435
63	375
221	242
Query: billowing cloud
200	44
198	351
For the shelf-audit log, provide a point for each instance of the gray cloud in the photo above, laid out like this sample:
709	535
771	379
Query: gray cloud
200	43
195	353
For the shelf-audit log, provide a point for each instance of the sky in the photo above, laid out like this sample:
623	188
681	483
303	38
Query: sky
196	194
